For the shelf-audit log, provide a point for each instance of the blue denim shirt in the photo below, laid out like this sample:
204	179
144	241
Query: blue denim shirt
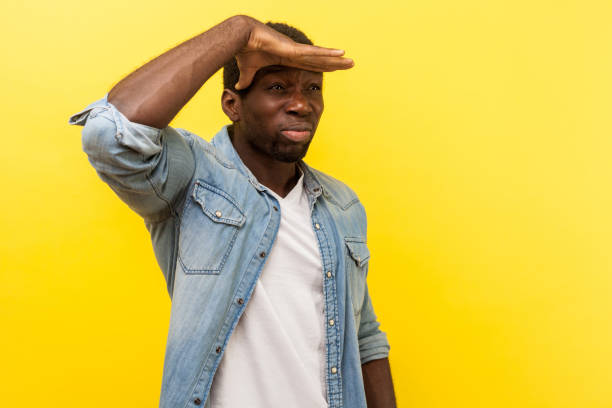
213	225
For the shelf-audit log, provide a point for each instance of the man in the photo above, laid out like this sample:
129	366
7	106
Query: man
265	258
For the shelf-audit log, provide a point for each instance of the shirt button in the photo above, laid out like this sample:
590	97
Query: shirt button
331	322
334	370
317	226
218	350
218	214
262	254
275	209
197	401
240	301
358	259
329	274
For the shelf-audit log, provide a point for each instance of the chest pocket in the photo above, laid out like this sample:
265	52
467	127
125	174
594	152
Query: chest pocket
356	261
209	226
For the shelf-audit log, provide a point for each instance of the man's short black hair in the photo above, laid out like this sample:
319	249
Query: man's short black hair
231	73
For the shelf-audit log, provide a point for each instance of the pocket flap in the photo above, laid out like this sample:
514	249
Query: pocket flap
358	250
218	205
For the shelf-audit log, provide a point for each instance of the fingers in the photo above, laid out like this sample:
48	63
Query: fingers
316	63
314	50
319	58
321	63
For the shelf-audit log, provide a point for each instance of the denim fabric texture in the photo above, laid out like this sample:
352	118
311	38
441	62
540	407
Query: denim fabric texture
212	225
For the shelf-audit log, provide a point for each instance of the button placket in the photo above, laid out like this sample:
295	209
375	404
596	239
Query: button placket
330	303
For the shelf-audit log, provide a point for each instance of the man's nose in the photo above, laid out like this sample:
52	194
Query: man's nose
298	104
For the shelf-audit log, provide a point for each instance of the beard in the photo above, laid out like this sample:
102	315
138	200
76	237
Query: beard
287	152
280	148
291	155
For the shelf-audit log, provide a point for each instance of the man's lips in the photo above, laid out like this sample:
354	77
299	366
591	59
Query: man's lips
297	133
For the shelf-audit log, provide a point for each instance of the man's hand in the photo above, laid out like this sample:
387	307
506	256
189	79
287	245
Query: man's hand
266	46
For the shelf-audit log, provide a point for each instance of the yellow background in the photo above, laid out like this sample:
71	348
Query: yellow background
477	134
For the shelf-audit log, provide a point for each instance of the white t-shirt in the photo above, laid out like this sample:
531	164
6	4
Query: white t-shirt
276	355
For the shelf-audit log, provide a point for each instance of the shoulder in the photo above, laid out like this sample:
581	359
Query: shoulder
201	145
336	191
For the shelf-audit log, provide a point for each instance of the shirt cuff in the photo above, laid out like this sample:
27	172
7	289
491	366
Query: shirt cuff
374	347
136	136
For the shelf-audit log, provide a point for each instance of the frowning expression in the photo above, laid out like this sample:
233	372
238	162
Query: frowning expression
280	111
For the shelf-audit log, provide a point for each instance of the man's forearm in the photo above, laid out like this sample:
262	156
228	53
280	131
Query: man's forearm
157	91
378	384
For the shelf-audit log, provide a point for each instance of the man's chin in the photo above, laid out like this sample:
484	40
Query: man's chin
288	157
291	155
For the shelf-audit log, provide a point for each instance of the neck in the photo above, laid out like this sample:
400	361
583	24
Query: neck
278	176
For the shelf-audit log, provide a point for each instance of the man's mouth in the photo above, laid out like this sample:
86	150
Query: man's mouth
297	133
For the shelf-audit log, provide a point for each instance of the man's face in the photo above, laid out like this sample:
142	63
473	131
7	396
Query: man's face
281	110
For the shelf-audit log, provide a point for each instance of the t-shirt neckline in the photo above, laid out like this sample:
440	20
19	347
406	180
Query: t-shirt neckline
294	194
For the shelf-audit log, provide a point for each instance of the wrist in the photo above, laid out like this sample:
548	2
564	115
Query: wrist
244	25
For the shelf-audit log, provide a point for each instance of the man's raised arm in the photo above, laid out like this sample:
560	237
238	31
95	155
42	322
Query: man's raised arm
153	94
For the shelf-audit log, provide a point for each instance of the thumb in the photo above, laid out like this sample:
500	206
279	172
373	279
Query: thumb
245	79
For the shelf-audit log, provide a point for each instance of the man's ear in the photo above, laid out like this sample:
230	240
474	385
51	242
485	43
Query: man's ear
231	104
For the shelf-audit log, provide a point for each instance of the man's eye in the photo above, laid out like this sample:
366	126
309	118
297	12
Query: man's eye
277	87
315	87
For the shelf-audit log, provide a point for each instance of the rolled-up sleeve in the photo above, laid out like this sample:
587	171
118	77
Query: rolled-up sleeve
373	343
148	168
